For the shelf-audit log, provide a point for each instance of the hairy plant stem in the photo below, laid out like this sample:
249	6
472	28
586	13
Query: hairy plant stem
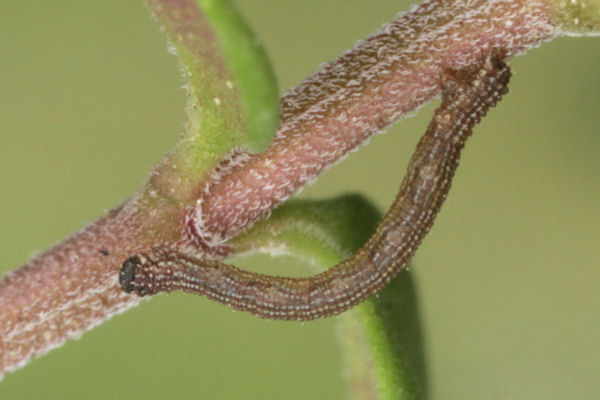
386	76
73	286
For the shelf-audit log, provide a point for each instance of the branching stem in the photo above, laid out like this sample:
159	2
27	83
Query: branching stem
73	286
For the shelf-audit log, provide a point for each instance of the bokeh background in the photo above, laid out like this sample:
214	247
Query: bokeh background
508	281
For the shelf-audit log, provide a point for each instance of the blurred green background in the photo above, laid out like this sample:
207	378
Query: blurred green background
508	280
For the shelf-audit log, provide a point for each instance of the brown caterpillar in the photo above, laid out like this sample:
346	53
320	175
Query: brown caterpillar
466	97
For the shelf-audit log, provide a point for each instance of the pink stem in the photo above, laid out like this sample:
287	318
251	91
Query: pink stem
388	75
74	286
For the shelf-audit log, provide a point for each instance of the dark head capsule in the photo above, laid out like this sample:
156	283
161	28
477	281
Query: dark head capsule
127	273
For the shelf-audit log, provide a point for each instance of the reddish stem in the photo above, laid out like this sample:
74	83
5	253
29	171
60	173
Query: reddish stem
388	75
74	286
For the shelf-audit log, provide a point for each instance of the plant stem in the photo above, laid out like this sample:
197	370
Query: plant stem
387	76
